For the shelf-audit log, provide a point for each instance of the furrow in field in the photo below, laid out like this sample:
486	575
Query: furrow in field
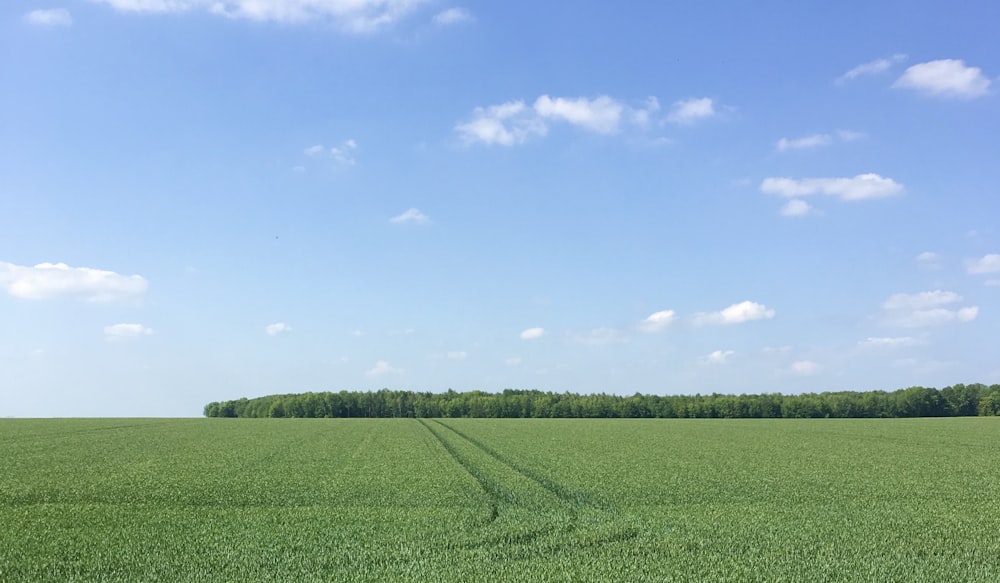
572	497
522	512
472	470
586	521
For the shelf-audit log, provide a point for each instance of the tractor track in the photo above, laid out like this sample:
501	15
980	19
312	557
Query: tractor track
572	502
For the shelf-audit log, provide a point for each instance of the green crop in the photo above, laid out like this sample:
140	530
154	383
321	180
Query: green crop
499	500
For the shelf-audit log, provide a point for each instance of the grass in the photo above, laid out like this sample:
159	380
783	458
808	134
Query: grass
499	499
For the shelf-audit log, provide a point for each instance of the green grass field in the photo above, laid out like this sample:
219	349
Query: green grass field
500	500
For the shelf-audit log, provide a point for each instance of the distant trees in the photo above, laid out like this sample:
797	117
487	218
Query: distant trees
956	400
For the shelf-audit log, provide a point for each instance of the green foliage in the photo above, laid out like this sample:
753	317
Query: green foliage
956	401
500	500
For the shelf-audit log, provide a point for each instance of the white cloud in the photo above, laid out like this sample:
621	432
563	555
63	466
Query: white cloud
506	124
601	114
532	333
849	135
735	314
926	309
717	357
920	301
894	342
126	331
871	68
861	187
52	17
456	355
383	368
986	264
929	260
277	328
314	151
342	154
812	141
691	110
993	282
776	349
945	78
513	122
643	116
817	140
658	321
967	314
600	337
804	367
358	16
50	280
512	361
410	216
453	16
796	208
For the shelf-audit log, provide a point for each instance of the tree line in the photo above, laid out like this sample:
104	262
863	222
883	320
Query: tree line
954	401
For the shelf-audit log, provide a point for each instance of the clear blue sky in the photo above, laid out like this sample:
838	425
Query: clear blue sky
208	199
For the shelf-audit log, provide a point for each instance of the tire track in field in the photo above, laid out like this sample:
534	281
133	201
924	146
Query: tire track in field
573	502
487	485
573	498
499	497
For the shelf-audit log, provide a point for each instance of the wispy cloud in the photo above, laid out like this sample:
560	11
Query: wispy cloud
658	321
53	280
870	68
453	16
277	328
929	260
890	342
532	333
53	17
383	368
928	308
946	78
601	114
688	111
803	368
735	314
717	357
796	208
514	122
126	331
342	154
411	216
860	187
600	337
357	16
817	140
506	124
985	264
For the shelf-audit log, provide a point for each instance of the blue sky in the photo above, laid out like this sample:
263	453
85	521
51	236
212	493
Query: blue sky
203	200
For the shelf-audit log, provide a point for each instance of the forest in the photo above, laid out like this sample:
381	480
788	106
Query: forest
958	400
